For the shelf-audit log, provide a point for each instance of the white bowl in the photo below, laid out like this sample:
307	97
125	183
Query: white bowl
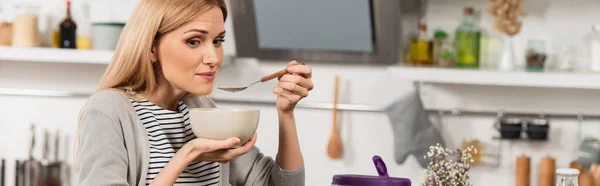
223	123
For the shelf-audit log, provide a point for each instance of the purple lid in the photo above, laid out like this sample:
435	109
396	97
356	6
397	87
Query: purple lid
361	180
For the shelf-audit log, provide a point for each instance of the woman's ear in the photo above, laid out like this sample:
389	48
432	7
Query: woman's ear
154	53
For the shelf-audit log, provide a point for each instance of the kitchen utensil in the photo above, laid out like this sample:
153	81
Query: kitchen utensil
19	174
361	180
538	129
54	168
2	172
223	123
263	79
523	172
334	147
510	127
547	171
66	169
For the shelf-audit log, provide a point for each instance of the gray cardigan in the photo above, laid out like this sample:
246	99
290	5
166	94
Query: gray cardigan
113	149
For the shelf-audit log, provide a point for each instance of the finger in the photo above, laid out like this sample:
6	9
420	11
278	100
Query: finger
303	70
246	147
214	145
290	96
292	63
304	82
294	88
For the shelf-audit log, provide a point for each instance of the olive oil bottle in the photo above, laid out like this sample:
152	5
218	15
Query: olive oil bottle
421	48
467	38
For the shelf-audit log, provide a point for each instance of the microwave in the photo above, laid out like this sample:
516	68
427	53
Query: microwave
325	31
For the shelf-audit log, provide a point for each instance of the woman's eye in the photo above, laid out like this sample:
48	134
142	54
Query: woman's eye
193	43
218	42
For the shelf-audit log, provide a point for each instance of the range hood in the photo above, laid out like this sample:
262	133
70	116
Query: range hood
325	31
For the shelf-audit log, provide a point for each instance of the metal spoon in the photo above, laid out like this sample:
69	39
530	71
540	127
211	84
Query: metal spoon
263	79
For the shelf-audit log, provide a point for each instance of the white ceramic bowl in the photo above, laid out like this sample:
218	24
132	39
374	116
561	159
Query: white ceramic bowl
223	123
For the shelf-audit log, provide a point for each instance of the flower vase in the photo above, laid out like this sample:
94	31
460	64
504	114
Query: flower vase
507	59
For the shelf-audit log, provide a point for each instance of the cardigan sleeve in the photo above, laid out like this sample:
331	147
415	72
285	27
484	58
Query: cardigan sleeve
101	158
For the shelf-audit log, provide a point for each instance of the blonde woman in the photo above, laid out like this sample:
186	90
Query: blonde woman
135	129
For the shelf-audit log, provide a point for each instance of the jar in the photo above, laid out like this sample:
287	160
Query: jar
365	180
105	36
25	25
536	55
476	148
5	33
567	177
5	30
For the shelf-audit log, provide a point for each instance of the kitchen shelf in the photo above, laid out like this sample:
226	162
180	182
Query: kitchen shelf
497	78
55	55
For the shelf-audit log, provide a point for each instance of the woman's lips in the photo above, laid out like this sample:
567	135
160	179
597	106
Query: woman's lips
209	76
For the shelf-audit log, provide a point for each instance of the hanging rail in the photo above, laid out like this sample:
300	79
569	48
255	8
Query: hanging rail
302	104
458	112
318	105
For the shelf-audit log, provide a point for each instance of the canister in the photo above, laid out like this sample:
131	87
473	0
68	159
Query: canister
105	36
383	179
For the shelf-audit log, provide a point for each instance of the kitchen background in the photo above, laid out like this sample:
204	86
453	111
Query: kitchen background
564	26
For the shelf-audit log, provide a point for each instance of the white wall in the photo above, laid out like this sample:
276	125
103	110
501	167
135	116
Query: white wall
364	134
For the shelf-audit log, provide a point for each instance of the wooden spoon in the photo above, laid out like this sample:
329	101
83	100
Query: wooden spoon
334	148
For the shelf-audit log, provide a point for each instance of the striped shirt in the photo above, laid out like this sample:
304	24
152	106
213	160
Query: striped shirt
167	132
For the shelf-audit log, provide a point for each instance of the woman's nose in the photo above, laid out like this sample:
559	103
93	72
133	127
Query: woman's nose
210	57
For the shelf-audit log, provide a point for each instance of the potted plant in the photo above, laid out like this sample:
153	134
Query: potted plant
447	167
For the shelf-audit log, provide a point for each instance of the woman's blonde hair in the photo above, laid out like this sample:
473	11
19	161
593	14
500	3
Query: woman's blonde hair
131	66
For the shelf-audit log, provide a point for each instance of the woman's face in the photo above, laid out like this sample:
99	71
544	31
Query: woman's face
189	56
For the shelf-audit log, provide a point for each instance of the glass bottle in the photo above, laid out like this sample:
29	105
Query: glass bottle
439	37
595	49
421	48
468	36
443	50
68	30
566	177
84	39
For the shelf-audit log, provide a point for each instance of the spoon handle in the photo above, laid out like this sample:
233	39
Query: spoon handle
274	75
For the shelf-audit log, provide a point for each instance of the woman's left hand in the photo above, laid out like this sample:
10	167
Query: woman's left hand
293	87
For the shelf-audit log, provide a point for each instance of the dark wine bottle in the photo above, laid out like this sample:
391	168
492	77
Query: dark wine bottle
68	29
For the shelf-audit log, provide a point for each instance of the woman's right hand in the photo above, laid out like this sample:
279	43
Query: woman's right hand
201	150
221	151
